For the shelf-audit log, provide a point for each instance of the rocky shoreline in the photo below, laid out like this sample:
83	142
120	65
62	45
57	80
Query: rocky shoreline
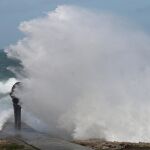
97	144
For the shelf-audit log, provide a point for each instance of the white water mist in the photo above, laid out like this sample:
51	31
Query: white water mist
6	108
87	74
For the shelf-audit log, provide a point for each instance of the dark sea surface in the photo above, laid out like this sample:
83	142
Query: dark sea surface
5	63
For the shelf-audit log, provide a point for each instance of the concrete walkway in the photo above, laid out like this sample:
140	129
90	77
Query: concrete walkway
38	140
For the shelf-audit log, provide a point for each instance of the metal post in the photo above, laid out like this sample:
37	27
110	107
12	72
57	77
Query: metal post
17	108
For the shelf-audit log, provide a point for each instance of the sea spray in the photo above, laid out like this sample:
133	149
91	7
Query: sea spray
4	116
7	80
5	86
87	73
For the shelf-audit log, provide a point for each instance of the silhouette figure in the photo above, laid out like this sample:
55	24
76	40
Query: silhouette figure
16	105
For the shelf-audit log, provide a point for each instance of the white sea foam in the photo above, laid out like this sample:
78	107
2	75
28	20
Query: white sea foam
5	86
5	101
88	73
4	116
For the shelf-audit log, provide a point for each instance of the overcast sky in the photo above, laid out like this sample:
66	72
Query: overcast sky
12	12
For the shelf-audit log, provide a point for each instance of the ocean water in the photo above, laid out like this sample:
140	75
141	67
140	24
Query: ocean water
7	79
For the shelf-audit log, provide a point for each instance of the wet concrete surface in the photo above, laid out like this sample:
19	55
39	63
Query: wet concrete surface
37	140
